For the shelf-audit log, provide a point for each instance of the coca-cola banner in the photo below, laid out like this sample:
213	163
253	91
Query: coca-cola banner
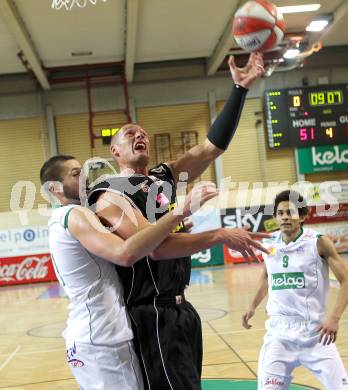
26	269
24	241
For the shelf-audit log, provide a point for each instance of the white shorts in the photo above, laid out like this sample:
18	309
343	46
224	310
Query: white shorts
105	368
290	344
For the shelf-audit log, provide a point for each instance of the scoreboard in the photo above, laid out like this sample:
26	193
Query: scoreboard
307	116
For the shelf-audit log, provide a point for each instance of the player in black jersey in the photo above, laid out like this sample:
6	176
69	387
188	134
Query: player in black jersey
167	328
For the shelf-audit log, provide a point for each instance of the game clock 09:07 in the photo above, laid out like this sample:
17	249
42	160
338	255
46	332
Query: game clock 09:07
307	116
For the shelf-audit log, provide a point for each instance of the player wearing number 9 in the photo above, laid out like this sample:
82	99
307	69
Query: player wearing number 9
296	279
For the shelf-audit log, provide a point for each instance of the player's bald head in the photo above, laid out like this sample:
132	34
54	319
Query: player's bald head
115	140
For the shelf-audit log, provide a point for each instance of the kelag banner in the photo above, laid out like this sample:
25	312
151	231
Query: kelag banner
323	158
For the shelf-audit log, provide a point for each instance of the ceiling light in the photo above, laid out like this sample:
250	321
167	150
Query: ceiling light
317	25
292	9
291	53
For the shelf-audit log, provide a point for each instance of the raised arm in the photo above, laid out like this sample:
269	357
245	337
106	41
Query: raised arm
197	159
327	250
258	298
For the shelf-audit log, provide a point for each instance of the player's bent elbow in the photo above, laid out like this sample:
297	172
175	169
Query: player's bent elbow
156	254
125	259
128	261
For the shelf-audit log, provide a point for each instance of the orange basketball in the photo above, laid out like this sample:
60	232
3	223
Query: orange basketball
258	26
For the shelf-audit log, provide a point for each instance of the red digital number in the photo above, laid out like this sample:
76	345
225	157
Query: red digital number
303	134
312	132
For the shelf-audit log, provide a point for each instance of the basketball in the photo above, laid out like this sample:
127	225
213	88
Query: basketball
258	26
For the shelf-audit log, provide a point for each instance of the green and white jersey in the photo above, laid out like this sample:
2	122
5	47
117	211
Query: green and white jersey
298	278
97	314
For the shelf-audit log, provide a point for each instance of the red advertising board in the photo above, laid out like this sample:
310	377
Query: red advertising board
26	269
234	257
317	214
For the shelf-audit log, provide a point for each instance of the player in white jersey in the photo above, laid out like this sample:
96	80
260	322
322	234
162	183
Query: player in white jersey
296	278
98	333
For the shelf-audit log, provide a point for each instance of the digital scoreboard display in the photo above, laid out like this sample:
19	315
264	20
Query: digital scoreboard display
307	116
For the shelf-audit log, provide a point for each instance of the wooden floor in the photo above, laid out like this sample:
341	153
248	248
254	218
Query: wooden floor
32	353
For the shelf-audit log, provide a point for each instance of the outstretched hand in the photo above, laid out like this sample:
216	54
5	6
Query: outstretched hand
243	241
246	75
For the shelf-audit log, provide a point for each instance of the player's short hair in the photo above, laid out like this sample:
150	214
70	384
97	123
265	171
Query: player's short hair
52	168
294	197
115	137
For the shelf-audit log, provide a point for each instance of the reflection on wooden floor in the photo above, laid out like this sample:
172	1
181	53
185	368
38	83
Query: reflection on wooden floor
32	353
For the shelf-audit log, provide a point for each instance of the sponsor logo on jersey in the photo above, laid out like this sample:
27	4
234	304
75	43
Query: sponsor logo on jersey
179	227
272	250
288	280
144	187
300	249
76	363
276	383
70	354
162	200
290	249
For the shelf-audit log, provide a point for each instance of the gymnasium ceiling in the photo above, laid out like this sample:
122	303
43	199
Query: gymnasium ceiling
143	33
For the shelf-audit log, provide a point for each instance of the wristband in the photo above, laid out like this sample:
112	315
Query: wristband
222	130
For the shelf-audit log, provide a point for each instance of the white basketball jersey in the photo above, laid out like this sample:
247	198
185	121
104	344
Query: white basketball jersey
97	313
298	278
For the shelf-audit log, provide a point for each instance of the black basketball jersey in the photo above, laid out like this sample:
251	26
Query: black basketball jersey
153	195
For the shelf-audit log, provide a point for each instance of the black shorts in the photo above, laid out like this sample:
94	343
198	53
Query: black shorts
168	340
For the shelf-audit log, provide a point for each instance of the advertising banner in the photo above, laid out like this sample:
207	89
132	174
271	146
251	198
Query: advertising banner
259	218
24	241
234	257
336	231
208	257
323	158
317	215
26	269
330	192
